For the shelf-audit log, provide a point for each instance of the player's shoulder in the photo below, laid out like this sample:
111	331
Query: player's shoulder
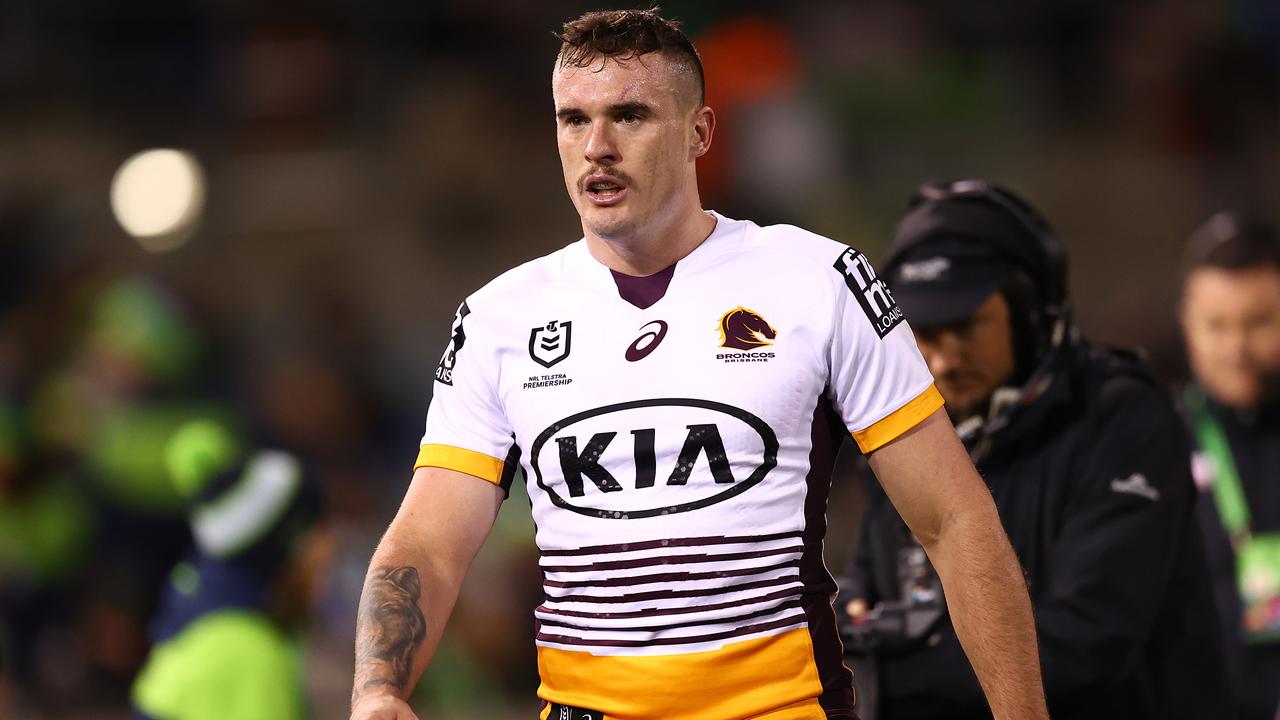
793	240
801	249
517	283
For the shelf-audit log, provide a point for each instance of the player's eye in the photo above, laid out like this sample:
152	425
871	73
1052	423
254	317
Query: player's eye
629	118
574	121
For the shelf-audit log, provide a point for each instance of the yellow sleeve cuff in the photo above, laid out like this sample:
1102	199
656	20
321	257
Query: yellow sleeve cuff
465	461
899	421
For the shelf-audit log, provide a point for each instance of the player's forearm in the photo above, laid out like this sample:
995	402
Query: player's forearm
390	629
402	613
991	612
415	575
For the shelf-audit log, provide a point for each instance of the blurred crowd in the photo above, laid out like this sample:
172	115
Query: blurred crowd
366	167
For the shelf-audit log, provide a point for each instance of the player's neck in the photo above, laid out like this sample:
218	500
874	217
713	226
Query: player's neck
654	248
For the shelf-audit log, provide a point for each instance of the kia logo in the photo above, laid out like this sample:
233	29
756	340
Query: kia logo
605	462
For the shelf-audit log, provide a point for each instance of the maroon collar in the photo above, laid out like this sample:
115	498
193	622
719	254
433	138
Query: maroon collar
643	291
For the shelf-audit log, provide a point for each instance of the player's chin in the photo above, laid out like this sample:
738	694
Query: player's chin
1237	390
608	222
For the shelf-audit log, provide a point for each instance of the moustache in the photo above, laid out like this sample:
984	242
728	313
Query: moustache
621	177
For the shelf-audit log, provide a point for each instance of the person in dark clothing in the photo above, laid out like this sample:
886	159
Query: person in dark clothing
1081	448
1230	318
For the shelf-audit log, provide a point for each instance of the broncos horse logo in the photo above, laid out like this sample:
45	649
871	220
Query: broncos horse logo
743	329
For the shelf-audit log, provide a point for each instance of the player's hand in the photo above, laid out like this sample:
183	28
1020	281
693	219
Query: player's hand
382	707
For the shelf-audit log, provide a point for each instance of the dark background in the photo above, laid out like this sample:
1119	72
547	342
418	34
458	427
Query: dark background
369	164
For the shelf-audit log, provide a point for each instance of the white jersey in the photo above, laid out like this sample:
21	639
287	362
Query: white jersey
677	434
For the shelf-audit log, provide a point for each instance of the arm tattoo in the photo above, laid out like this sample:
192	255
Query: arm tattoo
389	629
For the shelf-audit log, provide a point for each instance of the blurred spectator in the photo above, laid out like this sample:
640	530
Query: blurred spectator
136	370
1231	320
223	645
46	523
1074	441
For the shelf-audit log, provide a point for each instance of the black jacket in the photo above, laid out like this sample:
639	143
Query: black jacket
1093	485
1254	438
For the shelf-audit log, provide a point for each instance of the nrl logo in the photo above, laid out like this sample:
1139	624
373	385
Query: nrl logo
550	343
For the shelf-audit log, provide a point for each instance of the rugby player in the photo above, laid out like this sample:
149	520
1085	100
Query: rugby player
674	386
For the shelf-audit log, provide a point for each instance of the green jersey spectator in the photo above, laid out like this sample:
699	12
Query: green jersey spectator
223	645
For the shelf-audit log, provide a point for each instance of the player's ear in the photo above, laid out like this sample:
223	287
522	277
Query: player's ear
704	127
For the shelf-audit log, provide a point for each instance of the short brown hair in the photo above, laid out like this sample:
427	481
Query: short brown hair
1229	241
625	34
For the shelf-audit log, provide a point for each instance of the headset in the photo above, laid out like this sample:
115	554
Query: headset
1043	262
1039	285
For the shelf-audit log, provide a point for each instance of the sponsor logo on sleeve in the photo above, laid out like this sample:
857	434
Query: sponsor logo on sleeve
550	343
870	291
457	337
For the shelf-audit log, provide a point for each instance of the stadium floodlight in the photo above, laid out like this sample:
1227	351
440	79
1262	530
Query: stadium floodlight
158	196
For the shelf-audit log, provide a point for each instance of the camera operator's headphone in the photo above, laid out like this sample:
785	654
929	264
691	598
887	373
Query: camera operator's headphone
1043	262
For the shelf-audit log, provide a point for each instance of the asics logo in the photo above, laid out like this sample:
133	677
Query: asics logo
648	341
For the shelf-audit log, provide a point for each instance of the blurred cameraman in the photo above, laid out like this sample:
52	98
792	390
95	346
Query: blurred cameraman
1082	450
1231	320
